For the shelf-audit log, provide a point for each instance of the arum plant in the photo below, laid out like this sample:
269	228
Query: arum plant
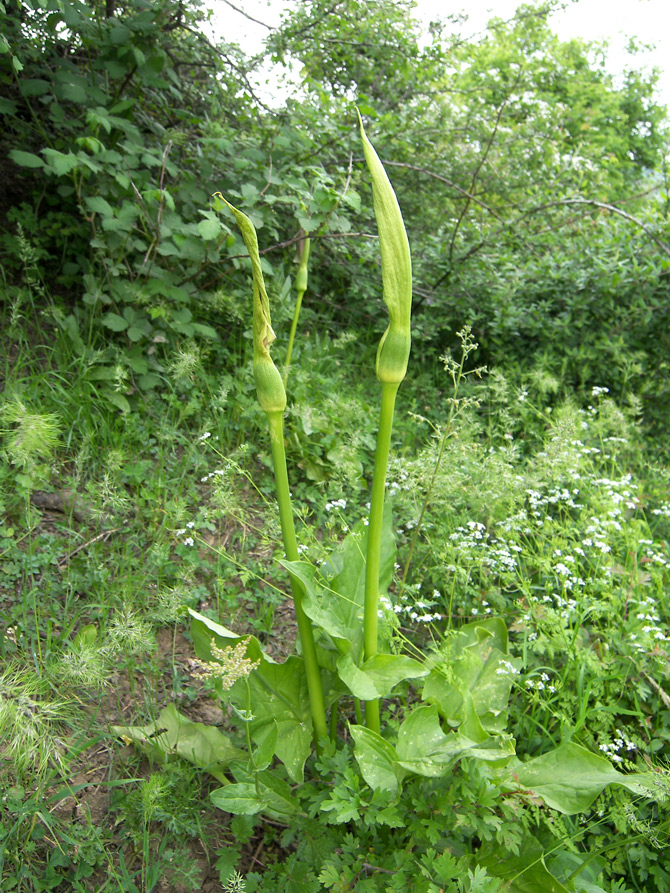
391	366
463	684
272	398
301	288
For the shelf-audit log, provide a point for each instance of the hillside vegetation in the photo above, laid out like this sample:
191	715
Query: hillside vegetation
191	696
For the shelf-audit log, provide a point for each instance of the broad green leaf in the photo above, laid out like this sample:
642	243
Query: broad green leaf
346	567
116	399
205	331
334	601
570	778
117	224
278	794
102	373
377	677
34	86
238	799
137	362
262	792
26	159
91	144
525	873
209	229
276	694
99	205
61	162
148	381
204	629
336	615
490	629
182	314
425	749
358	682
173	734
583	869
470	666
377	759
266	750
115	322
119	34
135	333
72	92
279	698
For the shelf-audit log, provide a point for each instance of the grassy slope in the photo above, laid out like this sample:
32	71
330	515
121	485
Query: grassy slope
115	522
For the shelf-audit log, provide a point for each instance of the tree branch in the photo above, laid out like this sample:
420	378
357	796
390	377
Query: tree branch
482	161
566	202
247	16
442	179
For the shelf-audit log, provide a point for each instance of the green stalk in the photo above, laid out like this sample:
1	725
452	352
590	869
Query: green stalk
333	722
391	366
371	608
276	424
301	288
272	398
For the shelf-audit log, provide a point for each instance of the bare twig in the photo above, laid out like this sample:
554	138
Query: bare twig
584	202
247	16
481	163
62	562
626	216
241	72
443	179
269	182
654	684
300	235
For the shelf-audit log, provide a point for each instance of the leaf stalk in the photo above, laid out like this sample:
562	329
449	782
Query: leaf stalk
314	687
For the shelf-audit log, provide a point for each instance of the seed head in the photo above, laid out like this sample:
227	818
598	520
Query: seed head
227	664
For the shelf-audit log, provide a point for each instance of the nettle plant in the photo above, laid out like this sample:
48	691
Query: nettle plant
447	703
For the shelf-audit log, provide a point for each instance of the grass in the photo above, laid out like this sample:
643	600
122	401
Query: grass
546	513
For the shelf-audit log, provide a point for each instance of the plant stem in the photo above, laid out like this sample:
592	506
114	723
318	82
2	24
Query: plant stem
301	288
291	337
456	377
333	722
424	507
370	615
276	424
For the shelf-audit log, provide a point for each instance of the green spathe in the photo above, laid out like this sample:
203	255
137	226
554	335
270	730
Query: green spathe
393	353
269	384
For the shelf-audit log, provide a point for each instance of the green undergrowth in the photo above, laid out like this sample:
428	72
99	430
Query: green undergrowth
509	635
549	515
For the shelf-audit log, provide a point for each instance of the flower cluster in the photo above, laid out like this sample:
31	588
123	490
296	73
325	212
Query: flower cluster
473	544
187	540
416	611
507	669
541	683
336	504
650	633
228	664
219	472
612	748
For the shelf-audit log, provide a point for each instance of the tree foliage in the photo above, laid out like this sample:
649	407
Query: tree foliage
534	185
